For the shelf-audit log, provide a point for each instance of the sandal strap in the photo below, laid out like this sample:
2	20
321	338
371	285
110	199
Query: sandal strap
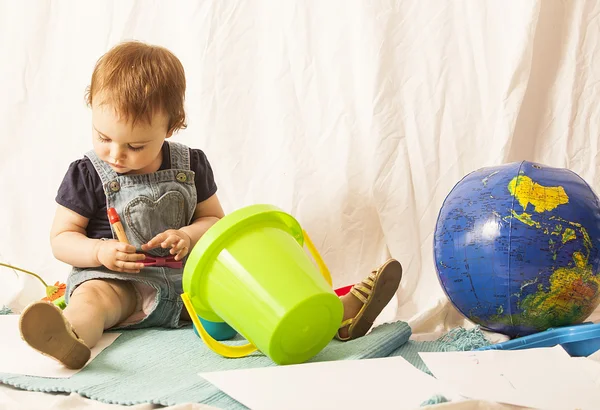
357	294
362	291
365	290
369	281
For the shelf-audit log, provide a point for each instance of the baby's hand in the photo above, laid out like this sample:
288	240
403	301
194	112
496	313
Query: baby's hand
119	256
177	240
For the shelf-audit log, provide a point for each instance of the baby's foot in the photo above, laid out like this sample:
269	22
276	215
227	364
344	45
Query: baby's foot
366	300
44	328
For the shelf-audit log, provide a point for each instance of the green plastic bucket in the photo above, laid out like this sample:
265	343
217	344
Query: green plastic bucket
250	271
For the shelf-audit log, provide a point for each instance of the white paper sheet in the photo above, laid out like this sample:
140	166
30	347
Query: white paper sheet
375	383
17	357
540	378
591	367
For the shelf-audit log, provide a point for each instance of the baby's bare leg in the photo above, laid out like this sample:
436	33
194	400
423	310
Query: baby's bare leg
97	305
68	336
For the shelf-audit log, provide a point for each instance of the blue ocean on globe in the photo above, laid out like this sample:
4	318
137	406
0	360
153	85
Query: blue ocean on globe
517	248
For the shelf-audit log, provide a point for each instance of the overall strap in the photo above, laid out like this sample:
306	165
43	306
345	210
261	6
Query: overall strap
180	155
102	168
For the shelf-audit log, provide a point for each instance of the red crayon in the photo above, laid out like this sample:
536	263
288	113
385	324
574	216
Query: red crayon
115	221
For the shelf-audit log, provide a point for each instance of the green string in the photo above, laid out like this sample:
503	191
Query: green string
25	271
5	310
437	399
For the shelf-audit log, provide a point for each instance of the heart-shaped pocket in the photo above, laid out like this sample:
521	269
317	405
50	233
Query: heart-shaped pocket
147	218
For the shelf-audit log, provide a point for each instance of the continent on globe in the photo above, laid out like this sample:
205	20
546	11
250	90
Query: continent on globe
541	197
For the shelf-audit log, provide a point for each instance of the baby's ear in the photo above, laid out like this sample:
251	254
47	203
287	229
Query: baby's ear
170	133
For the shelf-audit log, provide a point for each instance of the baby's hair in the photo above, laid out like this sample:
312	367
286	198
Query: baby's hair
139	80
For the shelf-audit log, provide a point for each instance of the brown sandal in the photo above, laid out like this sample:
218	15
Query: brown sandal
44	328
374	292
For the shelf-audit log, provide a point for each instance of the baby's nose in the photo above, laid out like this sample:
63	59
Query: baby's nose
117	152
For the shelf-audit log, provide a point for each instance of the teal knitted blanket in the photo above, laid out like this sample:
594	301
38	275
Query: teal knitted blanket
161	366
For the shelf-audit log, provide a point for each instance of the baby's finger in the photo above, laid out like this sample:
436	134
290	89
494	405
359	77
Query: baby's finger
117	268
178	247
125	247
130	257
155	242
129	266
181	254
170	241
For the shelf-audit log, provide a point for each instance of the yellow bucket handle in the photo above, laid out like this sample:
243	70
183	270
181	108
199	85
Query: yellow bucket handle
315	253
235	352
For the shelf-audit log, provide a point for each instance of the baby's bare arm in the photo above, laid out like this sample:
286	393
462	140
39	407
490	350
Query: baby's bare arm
71	245
206	215
69	241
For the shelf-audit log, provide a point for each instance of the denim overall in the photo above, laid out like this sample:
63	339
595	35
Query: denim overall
148	204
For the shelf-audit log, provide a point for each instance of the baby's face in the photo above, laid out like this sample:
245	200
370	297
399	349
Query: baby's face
127	149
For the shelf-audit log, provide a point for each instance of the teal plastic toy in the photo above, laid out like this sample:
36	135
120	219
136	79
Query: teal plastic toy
217	330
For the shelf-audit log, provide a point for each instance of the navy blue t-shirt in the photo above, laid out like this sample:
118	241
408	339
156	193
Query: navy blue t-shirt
81	189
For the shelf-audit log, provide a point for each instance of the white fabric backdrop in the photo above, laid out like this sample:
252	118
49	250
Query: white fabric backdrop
357	117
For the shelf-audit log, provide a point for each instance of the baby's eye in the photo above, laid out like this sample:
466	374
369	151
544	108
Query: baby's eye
102	139
136	148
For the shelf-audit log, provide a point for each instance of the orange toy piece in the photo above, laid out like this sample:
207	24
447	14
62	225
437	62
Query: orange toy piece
59	292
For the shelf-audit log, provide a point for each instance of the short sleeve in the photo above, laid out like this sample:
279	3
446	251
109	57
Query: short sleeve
204	178
81	189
